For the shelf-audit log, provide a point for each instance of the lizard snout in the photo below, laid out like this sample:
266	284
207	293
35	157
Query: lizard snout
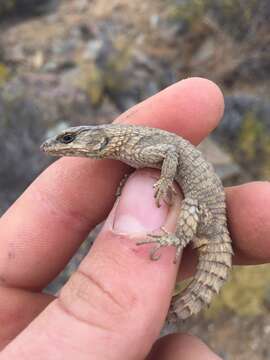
44	146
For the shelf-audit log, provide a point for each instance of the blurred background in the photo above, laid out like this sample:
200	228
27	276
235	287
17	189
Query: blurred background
77	62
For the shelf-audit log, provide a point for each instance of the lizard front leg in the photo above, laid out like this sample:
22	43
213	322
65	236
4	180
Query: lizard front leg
164	189
189	217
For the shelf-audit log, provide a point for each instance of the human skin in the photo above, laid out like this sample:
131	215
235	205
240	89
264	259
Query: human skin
114	305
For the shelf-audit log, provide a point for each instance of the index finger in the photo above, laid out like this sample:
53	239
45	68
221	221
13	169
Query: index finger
41	231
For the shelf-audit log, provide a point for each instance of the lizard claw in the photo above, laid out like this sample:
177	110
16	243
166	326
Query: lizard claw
163	240
164	190
153	252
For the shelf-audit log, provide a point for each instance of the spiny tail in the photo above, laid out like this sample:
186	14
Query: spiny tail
215	260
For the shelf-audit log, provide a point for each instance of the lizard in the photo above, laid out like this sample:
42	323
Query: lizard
202	220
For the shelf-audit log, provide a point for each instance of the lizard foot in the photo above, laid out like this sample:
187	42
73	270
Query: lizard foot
164	190
163	240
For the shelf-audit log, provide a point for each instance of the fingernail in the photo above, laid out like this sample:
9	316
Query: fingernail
136	210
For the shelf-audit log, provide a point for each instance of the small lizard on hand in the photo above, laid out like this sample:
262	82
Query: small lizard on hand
202	219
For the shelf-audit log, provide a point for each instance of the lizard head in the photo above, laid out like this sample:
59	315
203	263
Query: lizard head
88	141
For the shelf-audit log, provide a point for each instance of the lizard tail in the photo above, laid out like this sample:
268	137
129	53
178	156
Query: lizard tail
215	259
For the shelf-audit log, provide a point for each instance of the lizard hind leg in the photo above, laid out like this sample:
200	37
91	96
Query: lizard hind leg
185	231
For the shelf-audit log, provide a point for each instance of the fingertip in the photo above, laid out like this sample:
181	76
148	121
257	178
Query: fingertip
137	212
249	214
209	97
174	346
136	209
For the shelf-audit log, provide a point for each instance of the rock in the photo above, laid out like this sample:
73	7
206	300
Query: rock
27	7
38	59
93	49
266	330
223	163
50	66
52	18
4	73
15	54
236	107
244	131
267	305
205	52
90	79
22	131
83	31
81	5
142	60
154	21
64	46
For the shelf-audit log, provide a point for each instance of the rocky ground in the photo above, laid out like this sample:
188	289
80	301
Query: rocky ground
85	61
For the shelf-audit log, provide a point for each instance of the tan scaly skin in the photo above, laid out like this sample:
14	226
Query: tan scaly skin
202	220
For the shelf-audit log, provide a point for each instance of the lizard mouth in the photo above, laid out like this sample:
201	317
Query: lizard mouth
52	148
49	148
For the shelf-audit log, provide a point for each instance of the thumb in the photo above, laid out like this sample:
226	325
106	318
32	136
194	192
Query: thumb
114	305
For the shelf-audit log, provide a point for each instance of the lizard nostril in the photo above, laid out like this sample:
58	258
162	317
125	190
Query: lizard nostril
44	146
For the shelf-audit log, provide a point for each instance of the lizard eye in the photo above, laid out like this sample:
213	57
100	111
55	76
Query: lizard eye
66	139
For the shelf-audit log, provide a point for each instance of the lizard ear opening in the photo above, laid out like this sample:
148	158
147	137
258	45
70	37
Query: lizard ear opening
101	144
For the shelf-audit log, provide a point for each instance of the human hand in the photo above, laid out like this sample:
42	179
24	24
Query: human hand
114	305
